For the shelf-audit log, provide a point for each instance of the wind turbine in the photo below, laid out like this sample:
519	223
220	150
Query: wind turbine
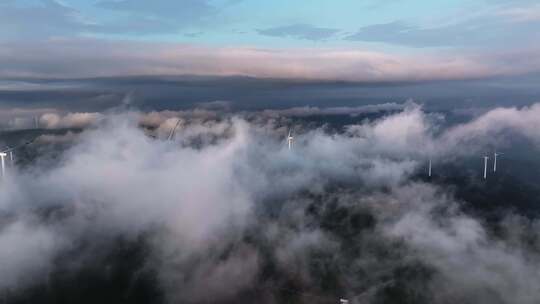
3	156
9	151
171	135
495	160
290	140
485	166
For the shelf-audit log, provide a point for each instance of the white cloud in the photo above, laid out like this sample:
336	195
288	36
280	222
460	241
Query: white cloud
196	199
470	264
27	251
520	13
495	127
74	58
69	120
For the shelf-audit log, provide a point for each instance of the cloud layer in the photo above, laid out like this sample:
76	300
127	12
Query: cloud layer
300	31
74	58
227	197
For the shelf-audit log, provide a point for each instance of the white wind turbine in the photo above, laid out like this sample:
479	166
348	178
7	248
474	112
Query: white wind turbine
485	165
495	160
9	151
3	163
171	134
430	152
290	140
3	155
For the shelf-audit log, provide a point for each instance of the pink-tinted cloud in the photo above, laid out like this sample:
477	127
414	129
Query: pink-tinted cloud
95	58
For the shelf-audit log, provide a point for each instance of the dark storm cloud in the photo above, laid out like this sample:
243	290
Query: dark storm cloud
300	31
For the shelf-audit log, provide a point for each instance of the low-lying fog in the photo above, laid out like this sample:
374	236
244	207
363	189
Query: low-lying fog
102	208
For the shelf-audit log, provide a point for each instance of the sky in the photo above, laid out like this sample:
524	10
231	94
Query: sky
365	40
372	91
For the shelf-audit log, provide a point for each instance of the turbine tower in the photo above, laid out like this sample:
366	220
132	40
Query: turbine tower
485	166
3	162
171	135
429	168
495	160
290	140
9	151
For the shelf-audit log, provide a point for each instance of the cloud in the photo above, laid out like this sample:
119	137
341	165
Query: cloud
74	58
401	130
352	111
192	221
530	13
21	118
68	137
412	128
51	18
27	251
226	209
300	31
480	31
403	34
470	264
194	34
161	17
70	120
183	11
48	18
495	127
